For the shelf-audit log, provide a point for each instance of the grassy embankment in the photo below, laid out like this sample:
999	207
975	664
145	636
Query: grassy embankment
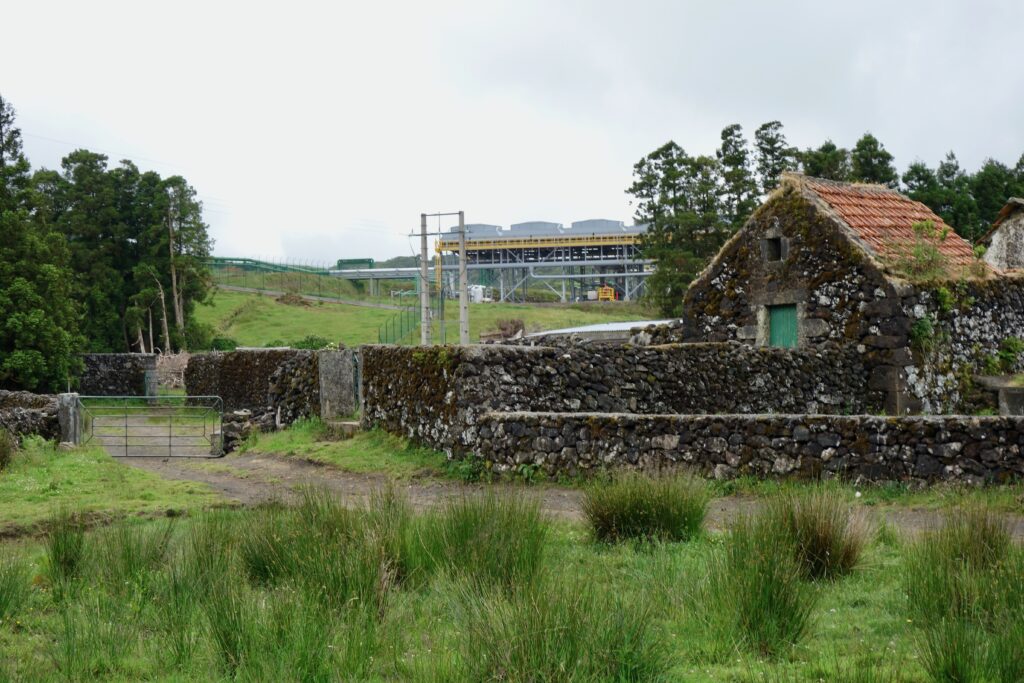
254	320
487	589
42	479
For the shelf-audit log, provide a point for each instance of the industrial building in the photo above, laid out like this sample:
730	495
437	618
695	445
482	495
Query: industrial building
571	261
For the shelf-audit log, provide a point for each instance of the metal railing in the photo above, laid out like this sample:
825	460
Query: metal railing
158	426
400	327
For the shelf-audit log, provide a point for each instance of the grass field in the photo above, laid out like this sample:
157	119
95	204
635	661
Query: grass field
255	320
375	451
42	479
483	589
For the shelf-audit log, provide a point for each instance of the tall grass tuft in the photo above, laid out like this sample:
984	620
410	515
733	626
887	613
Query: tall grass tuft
346	559
8	446
488	539
826	536
65	548
128	554
754	595
14	586
962	584
661	508
559	632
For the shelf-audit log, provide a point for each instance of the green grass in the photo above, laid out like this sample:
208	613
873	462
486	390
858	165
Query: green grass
636	506
320	592
255	320
939	496
42	479
374	451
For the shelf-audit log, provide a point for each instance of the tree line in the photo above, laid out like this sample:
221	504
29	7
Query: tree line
693	204
93	258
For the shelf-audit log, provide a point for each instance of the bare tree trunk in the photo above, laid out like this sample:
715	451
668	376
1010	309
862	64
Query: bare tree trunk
163	307
179	313
142	341
152	347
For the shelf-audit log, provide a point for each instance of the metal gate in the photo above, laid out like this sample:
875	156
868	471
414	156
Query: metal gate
162	427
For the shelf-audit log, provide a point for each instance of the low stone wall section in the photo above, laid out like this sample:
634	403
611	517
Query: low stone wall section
339	383
293	390
910	448
118	374
240	378
23	413
436	394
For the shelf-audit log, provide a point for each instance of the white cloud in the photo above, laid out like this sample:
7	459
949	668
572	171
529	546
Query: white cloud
322	130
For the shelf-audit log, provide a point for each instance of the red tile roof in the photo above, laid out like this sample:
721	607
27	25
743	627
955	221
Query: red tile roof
883	219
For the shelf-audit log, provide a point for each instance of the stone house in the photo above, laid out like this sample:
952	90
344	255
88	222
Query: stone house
824	262
1004	243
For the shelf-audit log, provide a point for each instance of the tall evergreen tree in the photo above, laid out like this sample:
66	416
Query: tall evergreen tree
828	161
739	187
870	162
991	186
773	155
678	196
39	339
923	186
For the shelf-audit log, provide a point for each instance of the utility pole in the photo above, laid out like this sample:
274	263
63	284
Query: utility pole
463	283
424	285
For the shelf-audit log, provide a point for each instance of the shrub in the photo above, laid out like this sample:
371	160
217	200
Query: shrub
663	508
14	587
312	341
8	446
826	537
223	344
754	595
559	632
490	540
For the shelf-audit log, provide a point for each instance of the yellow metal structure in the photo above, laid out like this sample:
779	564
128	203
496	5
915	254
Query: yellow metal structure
538	242
606	293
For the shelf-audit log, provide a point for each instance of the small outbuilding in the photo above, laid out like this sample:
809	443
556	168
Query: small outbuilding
1004	243
824	262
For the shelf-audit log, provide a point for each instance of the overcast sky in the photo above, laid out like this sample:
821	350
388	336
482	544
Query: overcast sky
322	130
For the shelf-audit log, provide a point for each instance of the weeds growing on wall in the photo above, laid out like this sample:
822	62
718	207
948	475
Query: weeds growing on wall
635	506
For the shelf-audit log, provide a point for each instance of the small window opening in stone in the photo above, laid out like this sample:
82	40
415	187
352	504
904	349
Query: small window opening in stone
773	249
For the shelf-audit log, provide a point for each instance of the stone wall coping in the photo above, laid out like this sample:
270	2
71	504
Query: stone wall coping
689	417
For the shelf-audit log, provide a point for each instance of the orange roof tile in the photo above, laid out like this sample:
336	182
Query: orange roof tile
884	219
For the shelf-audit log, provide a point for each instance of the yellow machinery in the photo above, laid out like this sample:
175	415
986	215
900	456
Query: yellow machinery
606	293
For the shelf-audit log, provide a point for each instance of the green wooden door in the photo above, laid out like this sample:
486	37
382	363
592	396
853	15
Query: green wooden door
782	326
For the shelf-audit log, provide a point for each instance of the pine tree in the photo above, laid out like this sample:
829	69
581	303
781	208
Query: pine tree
39	340
828	161
870	162
773	155
739	188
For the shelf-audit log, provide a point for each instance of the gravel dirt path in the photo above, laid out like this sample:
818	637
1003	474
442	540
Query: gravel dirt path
250	479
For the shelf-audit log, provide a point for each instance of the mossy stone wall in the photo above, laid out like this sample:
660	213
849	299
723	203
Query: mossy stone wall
910	448
438	394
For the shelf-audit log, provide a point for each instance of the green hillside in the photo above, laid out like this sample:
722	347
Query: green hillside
255	320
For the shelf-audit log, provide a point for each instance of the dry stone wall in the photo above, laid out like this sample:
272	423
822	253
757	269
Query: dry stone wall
437	394
22	413
118	374
909	448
